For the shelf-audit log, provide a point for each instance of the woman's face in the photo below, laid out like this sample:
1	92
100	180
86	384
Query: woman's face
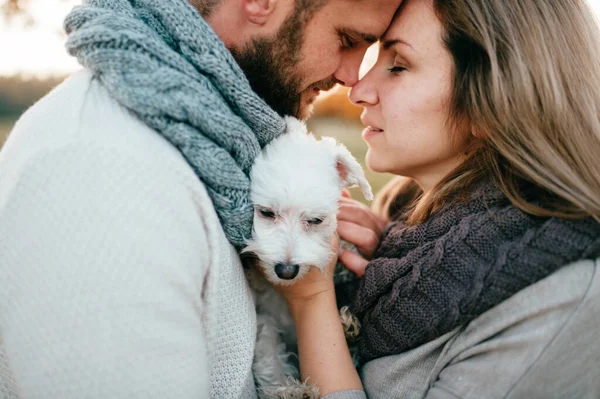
406	98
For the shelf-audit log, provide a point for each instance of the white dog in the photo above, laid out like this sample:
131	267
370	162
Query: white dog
296	184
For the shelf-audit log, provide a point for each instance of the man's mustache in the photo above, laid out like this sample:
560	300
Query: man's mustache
324	85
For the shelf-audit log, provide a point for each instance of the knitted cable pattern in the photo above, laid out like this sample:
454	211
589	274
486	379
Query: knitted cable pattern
163	62
428	279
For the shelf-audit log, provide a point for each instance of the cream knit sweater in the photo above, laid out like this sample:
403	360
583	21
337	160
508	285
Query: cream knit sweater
116	278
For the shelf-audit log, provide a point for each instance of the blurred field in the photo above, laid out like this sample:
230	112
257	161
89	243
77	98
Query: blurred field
6	125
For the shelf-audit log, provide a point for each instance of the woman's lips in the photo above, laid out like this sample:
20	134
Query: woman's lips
370	131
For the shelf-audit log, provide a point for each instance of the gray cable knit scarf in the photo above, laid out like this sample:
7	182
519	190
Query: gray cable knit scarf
163	62
428	279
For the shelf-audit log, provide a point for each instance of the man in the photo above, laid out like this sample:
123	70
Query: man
123	193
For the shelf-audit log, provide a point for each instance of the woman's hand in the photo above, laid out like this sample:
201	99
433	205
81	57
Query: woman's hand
313	284
322	344
360	226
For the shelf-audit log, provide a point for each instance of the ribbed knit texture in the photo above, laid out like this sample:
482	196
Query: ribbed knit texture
8	389
425	280
117	279
163	62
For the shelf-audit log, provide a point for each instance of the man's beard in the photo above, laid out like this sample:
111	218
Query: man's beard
272	74
270	64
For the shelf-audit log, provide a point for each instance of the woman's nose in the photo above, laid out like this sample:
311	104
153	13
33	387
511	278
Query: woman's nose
364	92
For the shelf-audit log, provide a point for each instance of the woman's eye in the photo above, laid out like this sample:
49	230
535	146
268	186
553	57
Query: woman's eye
267	213
396	69
315	221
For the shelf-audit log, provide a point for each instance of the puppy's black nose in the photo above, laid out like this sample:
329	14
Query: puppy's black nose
286	272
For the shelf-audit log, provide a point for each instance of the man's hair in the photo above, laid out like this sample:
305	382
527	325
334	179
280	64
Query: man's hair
205	7
306	7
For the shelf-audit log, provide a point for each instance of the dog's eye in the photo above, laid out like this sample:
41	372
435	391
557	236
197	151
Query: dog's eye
267	213
315	221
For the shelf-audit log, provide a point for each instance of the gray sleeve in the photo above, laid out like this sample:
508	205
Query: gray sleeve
540	343
349	394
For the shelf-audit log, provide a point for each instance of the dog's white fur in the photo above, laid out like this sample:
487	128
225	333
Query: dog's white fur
296	184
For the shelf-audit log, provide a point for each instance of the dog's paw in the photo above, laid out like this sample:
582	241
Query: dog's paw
350	323
292	389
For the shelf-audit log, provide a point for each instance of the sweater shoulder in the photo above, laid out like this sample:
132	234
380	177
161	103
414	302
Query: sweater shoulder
542	333
80	113
79	128
80	116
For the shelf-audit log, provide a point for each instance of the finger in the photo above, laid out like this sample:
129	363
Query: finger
364	238
346	193
356	215
335	242
362	217
352	208
354	262
344	200
350	201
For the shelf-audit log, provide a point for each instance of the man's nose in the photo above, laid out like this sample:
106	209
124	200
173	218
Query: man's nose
347	73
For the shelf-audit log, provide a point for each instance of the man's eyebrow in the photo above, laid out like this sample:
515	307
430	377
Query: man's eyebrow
367	37
390	42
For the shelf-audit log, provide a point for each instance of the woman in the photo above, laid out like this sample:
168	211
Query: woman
485	284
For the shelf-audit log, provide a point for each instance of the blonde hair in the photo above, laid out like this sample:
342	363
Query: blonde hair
527	83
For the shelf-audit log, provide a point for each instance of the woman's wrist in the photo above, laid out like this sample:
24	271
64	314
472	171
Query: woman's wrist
322	344
301	307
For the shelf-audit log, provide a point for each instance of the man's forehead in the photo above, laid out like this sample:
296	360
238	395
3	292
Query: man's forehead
366	19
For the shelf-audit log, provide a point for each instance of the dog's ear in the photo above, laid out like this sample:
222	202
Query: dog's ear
350	171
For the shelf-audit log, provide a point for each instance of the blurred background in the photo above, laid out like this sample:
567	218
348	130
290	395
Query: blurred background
33	61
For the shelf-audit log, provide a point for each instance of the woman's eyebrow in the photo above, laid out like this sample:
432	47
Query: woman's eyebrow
390	42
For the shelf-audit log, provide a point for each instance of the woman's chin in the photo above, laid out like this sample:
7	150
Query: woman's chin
374	162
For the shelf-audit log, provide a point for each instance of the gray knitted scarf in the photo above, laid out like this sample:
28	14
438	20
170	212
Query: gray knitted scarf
163	62
428	279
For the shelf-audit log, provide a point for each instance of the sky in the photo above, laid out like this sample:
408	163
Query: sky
39	50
